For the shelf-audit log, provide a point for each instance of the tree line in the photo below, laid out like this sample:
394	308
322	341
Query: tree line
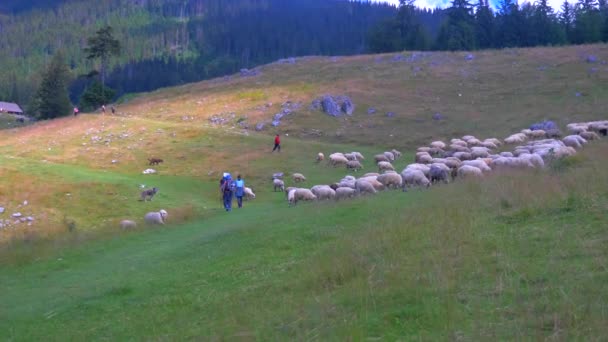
470	26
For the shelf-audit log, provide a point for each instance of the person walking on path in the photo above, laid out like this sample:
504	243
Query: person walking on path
113	110
240	191
277	143
103	109
75	111
227	188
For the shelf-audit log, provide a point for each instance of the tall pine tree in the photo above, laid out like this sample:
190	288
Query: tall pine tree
484	25
52	100
458	33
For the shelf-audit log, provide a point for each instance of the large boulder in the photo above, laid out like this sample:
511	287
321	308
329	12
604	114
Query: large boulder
335	106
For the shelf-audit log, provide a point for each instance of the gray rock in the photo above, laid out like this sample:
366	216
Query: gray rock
249	73
260	126
330	106
290	60
17	215
278	116
578	94
438	116
469	57
347	106
371	110
390	114
275	123
29	218
1	210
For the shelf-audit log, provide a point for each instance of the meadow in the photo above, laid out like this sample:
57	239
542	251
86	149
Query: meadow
518	255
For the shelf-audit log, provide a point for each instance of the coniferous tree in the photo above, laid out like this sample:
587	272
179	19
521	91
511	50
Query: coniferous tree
458	33
484	25
102	46
566	19
588	25
52	100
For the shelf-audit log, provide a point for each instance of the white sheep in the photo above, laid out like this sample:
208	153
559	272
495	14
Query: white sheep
414	177
396	153
575	141
156	217
127	224
298	177
248	193
300	194
373	181
468	137
459	148
342	193
438	144
424	158
383	166
479	152
363	186
423	149
350	156
278	184
589	135
390	179
323	192
478	163
468	170
320	157
495	141
474	142
358	155
506	154
336	160
462	156
534	159
422	167
389	155
380	158
354	165
459	142
371	174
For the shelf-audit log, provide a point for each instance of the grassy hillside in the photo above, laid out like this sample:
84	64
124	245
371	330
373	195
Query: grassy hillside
516	256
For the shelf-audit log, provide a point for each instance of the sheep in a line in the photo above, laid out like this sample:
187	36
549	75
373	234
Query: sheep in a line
298	177
575	141
373	181
380	158
589	135
414	177
320	157
278	184
396	153
384	166
468	171
128	224
390	180
343	193
354	165
439	174
300	194
362	186
323	192
156	217
336	160
390	156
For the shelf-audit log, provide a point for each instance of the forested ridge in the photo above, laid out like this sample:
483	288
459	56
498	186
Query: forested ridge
168	42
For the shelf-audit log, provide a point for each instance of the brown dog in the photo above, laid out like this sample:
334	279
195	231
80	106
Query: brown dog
154	161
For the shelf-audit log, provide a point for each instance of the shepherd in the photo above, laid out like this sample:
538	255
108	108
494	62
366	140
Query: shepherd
227	187
277	143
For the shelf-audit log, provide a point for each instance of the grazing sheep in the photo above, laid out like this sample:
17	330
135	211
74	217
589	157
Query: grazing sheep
434	151
374	182
576	129
494	141
320	157
390	179
342	193
589	135
489	144
354	165
459	142
380	158
516	138
468	170
300	194
474	142
383	166
506	154
396	153
390	156
537	134
553	133
439	174
149	193
479	152
423	149
278	184
424	159
288	189
337	154
575	141
298	177
358	155
468	137
422	167
323	192
534	159
156	217
478	163
463	156
438	144
128	224
363	186
371	174
336	160
414	177
459	148
350	156
248	193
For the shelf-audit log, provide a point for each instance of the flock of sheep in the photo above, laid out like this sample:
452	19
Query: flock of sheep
442	162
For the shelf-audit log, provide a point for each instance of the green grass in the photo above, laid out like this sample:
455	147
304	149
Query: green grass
512	257
517	256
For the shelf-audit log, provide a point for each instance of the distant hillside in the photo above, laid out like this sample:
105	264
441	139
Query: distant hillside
168	42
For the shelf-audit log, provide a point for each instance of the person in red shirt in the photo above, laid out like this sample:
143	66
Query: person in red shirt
277	143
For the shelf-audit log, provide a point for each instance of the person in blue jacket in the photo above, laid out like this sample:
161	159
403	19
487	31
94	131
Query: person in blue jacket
227	187
240	191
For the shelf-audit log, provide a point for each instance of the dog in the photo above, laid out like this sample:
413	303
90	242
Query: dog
148	193
155	161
